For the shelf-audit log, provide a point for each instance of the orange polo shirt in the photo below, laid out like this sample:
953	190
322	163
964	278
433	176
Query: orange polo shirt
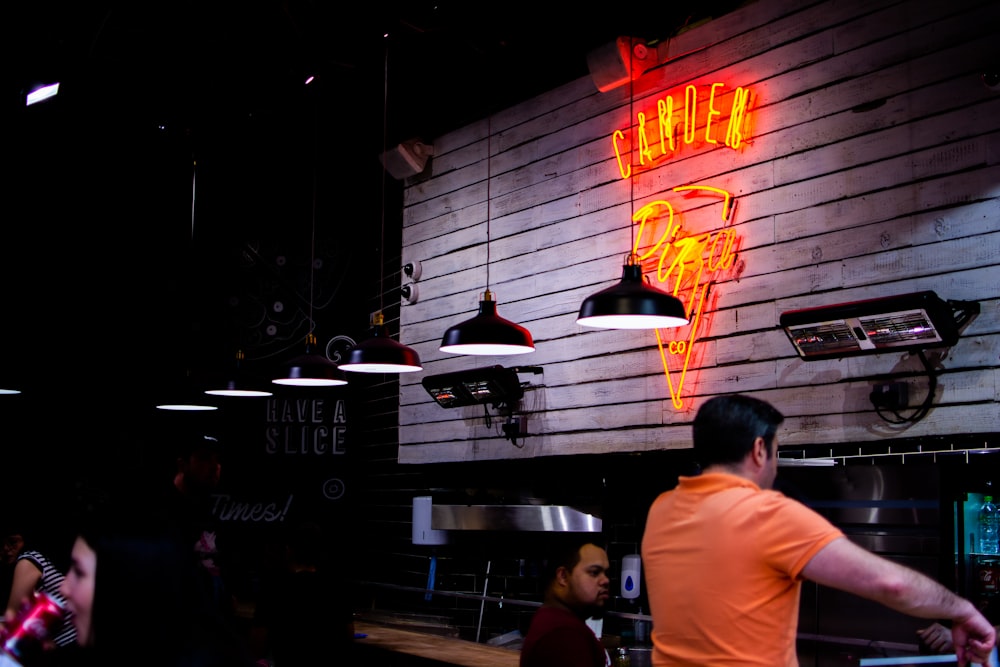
722	560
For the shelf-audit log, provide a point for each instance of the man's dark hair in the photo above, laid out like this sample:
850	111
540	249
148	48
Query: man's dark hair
564	554
726	427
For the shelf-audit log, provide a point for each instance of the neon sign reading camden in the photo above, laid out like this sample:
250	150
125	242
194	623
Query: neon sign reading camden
690	262
670	122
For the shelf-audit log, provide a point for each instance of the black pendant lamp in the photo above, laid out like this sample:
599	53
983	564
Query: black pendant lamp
311	369
9	386
487	333
180	394
180	405
379	353
238	383
633	303
186	406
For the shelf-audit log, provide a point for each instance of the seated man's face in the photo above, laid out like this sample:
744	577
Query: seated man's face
588	583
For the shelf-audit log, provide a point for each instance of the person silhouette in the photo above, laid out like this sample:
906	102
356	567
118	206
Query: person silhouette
321	629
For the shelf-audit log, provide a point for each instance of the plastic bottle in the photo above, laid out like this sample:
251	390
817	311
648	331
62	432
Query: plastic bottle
989	527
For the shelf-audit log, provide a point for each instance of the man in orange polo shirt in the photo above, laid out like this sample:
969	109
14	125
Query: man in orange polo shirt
725	556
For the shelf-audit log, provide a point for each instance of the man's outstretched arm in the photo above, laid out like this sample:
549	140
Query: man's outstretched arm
846	566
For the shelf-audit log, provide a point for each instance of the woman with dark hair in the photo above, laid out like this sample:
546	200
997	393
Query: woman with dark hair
136	598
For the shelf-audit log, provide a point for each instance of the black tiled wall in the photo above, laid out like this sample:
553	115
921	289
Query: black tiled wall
617	488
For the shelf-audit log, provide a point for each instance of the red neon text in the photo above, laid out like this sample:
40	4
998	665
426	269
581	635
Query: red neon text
658	139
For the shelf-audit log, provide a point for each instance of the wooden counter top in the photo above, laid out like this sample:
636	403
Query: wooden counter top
433	647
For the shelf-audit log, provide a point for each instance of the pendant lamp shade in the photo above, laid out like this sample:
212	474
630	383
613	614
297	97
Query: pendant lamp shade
237	383
379	353
186	406
311	370
236	389
487	334
182	394
632	304
185	399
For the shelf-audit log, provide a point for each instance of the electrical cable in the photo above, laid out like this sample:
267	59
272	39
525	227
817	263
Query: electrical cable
924	408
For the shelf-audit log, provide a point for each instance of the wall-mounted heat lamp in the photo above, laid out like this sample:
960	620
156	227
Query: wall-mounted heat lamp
494	385
906	323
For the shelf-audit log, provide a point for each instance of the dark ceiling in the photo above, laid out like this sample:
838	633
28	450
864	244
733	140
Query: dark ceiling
162	207
202	61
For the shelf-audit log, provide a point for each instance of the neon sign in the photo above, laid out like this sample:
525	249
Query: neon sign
695	262
686	266
689	124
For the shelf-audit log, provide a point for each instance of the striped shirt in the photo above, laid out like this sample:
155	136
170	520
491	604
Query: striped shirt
50	582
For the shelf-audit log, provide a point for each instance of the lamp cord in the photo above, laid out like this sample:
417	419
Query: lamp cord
489	151
194	190
312	234
923	409
385	123
631	148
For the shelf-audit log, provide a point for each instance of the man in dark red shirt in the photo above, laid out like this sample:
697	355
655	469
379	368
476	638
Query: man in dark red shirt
577	589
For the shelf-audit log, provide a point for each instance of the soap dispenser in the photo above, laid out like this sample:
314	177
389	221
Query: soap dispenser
631	571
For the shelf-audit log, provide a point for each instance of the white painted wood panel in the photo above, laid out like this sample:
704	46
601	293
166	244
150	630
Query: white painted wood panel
873	171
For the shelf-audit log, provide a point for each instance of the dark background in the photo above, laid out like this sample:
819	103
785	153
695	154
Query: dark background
162	205
186	196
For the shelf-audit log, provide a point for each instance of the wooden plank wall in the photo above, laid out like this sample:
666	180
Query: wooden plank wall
872	170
